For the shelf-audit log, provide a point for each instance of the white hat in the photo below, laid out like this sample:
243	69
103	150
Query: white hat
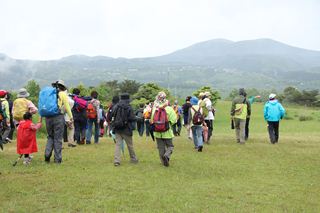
272	96
23	93
59	82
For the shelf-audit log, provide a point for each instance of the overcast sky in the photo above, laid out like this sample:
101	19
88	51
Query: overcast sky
51	29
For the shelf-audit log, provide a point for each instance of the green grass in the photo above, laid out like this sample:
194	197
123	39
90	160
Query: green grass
226	177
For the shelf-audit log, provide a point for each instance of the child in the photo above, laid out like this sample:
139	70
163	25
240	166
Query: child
26	137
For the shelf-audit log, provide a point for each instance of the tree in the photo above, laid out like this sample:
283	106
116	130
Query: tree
129	86
149	92
214	94
33	89
291	95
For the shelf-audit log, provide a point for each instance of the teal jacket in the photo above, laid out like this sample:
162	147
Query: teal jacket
273	111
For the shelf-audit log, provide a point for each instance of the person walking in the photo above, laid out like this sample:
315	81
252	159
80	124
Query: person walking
122	123
251	100
27	137
93	118
195	122
240	109
185	110
5	126
210	114
140	120
177	126
12	126
273	112
55	124
80	119
165	137
147	115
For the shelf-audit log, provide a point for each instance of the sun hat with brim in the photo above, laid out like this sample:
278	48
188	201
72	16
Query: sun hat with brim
23	93
59	82
272	96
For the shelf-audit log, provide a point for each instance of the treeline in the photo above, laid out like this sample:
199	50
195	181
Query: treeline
140	93
289	95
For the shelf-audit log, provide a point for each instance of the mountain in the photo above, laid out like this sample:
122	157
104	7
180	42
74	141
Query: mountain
220	63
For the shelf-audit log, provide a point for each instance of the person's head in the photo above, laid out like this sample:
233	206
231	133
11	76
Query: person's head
115	99
3	93
161	96
60	85
76	91
23	93
194	100
125	97
8	96
188	98
241	91
201	95
175	102
141	105
207	94
94	94
272	96
27	116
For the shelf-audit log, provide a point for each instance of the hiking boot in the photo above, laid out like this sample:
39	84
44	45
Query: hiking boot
1	146
8	140
82	141
200	148
72	144
47	159
134	161
165	160
116	164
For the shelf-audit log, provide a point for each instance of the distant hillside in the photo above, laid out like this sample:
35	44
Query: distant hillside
220	63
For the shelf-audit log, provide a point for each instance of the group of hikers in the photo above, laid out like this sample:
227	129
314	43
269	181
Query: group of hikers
71	117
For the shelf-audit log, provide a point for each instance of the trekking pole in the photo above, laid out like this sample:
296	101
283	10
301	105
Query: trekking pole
15	163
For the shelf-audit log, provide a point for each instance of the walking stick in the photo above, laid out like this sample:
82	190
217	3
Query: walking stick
15	163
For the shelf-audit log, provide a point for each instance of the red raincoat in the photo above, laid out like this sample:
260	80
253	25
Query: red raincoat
26	137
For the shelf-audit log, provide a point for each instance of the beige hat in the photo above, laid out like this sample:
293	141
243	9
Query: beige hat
59	82
201	94
23	93
207	94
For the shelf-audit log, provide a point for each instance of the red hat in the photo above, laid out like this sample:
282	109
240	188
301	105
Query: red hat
3	93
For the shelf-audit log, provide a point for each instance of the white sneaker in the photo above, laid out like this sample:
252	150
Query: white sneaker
27	161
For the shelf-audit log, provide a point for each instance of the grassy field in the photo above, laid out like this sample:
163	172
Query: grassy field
225	177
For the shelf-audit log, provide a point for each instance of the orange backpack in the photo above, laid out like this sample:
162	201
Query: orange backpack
91	111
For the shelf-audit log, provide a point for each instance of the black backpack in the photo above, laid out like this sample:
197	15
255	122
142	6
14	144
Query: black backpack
120	117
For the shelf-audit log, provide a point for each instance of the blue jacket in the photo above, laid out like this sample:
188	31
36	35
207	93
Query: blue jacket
273	111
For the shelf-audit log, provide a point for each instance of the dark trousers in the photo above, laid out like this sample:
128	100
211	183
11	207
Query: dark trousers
10	136
246	135
273	129
210	128
140	127
147	127
177	127
80	129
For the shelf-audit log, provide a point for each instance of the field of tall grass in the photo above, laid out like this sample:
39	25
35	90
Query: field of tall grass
225	177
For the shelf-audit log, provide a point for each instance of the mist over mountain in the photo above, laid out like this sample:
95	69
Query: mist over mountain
220	63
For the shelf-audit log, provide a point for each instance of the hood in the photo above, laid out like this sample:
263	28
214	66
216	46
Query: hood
273	102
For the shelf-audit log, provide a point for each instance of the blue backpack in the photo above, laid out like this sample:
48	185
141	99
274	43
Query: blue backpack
48	102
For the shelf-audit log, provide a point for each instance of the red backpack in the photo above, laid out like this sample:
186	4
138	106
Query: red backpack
91	111
197	117
160	120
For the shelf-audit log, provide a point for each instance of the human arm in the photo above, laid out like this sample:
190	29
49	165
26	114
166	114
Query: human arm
32	108
65	102
282	111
